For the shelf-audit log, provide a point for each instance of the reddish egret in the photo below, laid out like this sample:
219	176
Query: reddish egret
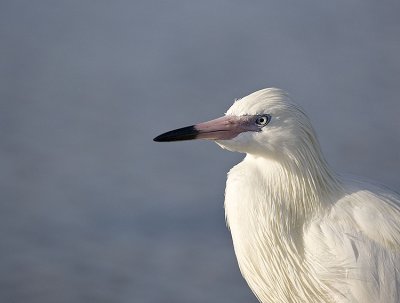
301	232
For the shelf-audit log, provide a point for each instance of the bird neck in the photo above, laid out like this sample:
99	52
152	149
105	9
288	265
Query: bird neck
268	204
302	184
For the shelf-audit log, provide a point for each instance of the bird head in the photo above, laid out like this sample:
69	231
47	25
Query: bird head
265	123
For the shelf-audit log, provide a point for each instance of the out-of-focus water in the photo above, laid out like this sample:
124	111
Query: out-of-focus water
91	209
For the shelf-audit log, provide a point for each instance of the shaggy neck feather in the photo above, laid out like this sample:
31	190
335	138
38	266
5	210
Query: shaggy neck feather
295	190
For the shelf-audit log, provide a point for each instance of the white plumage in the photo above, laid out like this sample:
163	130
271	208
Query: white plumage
301	232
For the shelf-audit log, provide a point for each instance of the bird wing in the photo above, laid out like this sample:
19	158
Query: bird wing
355	248
374	210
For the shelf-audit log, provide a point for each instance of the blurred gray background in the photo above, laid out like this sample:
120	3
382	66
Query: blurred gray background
91	209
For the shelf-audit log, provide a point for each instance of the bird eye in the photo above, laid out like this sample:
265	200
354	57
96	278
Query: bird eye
263	120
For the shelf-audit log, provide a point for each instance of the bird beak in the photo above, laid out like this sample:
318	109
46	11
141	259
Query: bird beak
223	128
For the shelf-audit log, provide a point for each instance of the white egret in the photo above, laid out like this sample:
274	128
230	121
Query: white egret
301	232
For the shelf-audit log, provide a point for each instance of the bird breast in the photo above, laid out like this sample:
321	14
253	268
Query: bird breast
267	236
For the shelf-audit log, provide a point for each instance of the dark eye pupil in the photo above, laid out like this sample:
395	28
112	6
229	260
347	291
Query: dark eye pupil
262	120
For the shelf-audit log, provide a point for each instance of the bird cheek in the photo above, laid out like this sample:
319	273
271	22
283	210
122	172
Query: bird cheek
240	143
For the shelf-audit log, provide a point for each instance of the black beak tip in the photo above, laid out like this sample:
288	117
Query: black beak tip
160	138
180	134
